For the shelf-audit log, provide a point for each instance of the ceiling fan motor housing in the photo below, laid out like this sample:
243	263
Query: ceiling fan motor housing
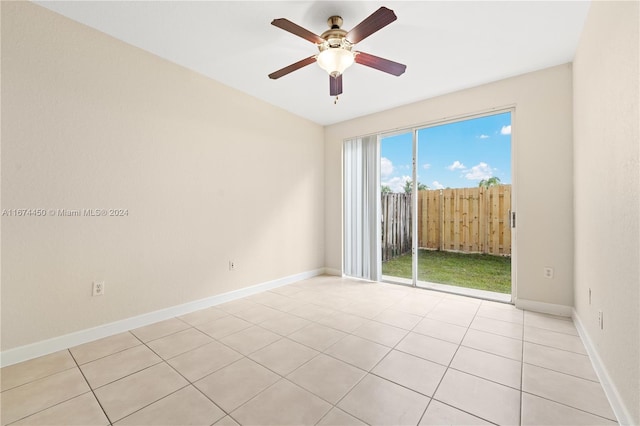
334	36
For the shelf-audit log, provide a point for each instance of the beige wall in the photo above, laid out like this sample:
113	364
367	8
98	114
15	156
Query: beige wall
207	174
607	191
542	148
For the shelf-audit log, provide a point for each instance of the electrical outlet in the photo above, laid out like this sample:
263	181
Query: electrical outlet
98	288
601	319
232	265
548	272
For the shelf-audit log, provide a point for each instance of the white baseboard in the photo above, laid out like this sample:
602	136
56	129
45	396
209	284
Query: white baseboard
45	347
544	308
623	415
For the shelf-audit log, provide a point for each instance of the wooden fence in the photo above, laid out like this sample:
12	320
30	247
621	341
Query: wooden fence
469	220
396	225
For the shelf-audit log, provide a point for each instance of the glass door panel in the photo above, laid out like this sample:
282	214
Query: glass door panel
396	171
464	202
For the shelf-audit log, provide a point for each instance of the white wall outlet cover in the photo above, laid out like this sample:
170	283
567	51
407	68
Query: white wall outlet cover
98	288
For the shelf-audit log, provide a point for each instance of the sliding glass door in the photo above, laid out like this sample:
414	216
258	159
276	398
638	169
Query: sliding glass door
445	204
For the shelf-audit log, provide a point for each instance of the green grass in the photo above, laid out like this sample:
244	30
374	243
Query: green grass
481	271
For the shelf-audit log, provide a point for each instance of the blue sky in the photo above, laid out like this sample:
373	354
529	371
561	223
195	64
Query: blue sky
455	155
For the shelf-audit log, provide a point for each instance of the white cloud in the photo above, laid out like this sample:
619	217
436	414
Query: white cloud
484	136
479	172
386	167
396	183
437	185
456	165
426	166
506	130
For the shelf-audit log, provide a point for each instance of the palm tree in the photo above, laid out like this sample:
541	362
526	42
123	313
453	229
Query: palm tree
492	181
408	186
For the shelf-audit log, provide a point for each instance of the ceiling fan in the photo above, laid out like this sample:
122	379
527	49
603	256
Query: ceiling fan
336	47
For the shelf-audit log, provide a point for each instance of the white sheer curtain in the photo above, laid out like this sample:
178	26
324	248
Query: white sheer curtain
361	208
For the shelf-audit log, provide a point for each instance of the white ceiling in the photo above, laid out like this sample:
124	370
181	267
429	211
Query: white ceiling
446	45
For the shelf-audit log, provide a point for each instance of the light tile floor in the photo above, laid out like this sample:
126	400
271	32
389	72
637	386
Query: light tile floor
325	351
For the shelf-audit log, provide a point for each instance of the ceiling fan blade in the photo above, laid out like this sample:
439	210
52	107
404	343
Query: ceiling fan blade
381	64
296	29
335	85
291	68
377	20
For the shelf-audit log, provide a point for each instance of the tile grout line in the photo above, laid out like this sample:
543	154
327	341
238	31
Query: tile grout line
370	371
552	331
484	378
555	347
569	406
189	382
157	400
162	361
447	370
243	357
129	375
113	353
562	372
91	388
266	389
322	352
394	348
281	337
38	378
464	411
49	407
446	367
558	349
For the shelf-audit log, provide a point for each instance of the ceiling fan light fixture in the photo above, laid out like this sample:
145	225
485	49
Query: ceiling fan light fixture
335	60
